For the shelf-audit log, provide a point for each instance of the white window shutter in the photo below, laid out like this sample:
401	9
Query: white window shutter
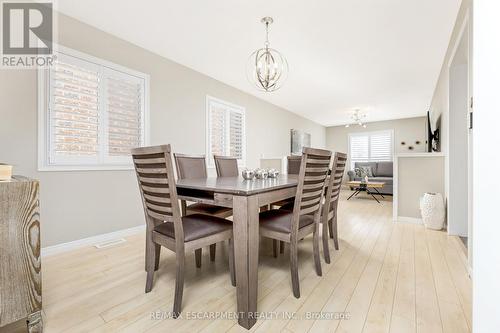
217	138
96	112
74	120
381	146
370	147
225	130
236	134
124	108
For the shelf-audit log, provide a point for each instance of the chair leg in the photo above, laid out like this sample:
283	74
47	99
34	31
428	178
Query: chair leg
335	232
212	252
179	283
282	247
330	228
150	261
183	207
197	257
294	269
317	259
157	256
324	237
231	263
275	248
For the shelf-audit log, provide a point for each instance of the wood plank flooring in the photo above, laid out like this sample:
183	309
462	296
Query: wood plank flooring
386	277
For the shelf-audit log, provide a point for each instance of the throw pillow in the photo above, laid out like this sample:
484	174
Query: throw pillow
367	171
363	171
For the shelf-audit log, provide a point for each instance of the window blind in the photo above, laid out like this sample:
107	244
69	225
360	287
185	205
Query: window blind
236	134
96	113
74	111
226	130
370	147
124	106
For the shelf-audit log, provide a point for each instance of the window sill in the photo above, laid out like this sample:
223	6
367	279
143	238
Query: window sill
86	168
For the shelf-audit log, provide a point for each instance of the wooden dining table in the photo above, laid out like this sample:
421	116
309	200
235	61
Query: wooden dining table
245	197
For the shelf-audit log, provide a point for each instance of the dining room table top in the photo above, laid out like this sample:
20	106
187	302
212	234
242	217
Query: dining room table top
238	185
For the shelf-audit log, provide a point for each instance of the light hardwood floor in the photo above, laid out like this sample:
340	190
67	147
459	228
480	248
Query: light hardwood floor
386	277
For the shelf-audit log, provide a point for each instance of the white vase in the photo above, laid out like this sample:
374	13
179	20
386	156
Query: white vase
432	210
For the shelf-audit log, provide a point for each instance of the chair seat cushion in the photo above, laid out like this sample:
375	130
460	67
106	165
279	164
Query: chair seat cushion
281	220
196	226
207	209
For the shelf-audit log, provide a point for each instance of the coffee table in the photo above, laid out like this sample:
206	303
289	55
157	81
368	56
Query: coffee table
366	187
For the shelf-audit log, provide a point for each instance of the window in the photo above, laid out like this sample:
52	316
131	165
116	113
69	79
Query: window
91	113
225	130
370	147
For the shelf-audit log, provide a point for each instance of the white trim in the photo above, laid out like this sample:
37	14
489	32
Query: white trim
235	108
90	241
407	219
43	119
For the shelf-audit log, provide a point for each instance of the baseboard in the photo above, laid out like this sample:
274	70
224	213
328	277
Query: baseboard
406	219
64	247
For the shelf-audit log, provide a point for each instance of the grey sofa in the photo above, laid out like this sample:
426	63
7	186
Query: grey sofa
382	172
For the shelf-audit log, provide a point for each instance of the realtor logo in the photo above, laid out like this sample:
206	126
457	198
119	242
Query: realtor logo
27	29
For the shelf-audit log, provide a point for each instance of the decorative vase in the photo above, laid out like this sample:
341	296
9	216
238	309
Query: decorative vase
432	210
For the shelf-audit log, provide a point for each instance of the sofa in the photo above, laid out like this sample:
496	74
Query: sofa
382	172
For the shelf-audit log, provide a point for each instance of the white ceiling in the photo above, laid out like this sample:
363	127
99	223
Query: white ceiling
382	56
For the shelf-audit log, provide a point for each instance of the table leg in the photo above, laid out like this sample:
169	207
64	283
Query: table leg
246	252
356	192
378	192
370	193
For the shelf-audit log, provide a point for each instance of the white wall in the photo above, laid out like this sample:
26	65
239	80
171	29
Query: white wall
416	176
458	151
486	272
440	106
76	205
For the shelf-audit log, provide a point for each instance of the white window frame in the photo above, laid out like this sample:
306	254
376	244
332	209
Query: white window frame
44	100
390	131
234	108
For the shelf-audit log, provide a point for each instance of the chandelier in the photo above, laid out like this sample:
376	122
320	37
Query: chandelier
267	68
357	118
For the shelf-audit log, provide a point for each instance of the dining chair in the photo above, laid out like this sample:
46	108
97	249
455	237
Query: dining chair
226	166
190	167
291	226
164	224
293	164
292	168
330	206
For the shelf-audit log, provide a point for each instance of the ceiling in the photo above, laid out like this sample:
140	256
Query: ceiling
381	56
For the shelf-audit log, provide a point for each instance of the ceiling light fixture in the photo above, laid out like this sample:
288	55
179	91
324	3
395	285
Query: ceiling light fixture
267	68
357	118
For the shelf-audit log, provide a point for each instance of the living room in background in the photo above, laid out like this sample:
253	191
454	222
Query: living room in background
225	130
371	155
91	113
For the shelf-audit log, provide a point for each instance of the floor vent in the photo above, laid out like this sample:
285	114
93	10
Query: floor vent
109	243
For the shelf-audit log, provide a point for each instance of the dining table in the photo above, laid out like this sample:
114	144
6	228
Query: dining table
245	197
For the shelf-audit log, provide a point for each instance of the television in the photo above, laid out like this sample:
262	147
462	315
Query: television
433	144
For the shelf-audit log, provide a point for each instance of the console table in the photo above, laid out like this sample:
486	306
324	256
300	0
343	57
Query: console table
20	266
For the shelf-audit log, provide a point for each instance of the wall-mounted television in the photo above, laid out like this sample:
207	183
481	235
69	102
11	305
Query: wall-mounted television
433	143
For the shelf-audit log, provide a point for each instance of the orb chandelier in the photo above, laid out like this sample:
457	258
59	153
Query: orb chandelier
357	118
267	68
